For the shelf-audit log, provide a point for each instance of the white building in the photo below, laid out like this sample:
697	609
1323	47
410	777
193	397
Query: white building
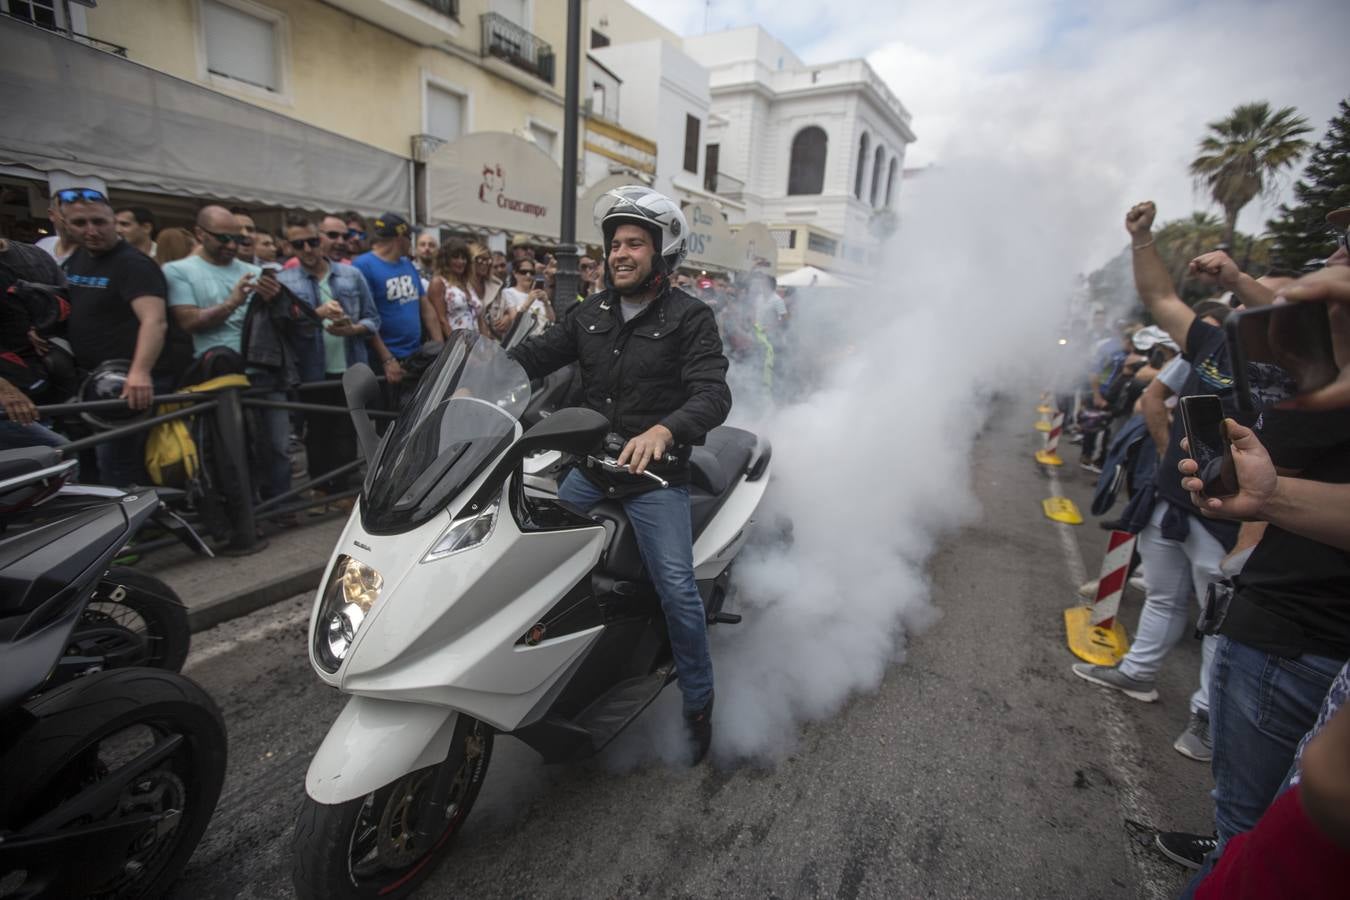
816	151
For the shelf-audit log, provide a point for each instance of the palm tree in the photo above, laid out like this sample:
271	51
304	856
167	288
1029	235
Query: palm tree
1245	149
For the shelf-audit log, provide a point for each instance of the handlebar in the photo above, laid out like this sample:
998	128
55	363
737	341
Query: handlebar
610	464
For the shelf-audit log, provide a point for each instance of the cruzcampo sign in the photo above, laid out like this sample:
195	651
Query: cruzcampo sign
495	180
756	248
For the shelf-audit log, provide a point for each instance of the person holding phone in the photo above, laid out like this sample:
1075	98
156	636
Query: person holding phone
209	293
1182	551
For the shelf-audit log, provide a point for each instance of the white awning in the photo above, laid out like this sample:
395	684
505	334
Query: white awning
495	180
73	108
810	276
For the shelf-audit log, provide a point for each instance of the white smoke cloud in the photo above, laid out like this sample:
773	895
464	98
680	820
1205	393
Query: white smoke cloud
872	466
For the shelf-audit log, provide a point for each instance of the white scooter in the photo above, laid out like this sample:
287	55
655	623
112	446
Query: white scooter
458	604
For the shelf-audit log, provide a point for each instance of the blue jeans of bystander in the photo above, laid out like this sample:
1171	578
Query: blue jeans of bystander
665	538
1261	706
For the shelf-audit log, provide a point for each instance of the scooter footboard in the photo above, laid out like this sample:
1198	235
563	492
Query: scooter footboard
374	742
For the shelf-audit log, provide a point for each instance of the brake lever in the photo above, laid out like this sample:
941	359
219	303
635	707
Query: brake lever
611	464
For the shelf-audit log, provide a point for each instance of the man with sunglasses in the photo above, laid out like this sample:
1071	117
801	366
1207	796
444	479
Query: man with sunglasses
61	244
117	311
209	293
358	233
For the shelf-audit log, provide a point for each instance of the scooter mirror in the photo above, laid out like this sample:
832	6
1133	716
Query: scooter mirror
573	430
363	393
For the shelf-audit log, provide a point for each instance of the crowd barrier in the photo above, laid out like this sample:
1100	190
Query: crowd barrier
228	406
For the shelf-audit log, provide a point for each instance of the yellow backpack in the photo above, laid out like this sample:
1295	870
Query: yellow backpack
170	452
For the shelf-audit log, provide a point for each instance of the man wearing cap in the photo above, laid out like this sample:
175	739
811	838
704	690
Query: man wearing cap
398	292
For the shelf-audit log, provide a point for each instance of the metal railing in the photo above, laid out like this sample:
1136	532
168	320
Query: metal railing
68	34
508	41
724	185
444	7
242	509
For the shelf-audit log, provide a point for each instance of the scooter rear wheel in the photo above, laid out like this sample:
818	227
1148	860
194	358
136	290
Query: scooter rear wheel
367	848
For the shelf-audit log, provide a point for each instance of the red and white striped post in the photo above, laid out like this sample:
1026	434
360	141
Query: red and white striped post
1093	632
1115	569
1049	454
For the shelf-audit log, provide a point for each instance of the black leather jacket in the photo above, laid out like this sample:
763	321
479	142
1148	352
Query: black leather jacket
664	366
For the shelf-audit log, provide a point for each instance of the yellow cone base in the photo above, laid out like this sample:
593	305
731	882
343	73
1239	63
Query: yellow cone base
1043	426
1062	509
1094	644
1045	410
1048	459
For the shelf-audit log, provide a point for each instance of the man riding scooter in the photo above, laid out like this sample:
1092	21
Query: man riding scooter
651	361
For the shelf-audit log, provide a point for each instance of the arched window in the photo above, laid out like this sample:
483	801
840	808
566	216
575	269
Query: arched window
862	167
806	171
878	162
890	183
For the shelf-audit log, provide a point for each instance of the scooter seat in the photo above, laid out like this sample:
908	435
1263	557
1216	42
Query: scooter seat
27	460
715	466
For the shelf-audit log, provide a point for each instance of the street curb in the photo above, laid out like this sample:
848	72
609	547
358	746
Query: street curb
232	606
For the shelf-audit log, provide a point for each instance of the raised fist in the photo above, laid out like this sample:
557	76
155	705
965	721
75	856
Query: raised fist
1216	266
1139	220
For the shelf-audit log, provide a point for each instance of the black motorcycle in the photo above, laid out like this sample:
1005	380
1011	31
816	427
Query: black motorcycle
109	772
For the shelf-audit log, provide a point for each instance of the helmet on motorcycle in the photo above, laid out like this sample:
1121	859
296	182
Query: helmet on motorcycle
105	382
654	211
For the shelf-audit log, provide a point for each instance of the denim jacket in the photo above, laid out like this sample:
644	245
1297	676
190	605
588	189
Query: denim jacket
350	289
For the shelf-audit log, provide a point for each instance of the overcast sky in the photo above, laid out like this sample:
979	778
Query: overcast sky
1114	95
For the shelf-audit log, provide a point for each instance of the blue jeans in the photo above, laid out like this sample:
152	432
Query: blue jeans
14	436
1261	706
271	440
665	537
122	462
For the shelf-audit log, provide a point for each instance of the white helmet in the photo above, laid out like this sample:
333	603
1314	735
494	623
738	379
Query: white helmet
654	211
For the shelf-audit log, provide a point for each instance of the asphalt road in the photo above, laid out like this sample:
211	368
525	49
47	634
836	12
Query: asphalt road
980	768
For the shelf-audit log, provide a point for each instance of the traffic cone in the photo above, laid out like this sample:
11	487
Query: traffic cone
1049	454
1093	633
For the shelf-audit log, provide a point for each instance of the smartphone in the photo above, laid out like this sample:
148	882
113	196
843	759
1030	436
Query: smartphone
539	283
1202	416
1279	351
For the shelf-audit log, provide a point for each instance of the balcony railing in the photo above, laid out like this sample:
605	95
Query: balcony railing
444	7
105	46
507	41
724	185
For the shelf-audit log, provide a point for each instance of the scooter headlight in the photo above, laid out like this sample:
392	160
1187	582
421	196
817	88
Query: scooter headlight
465	532
352	589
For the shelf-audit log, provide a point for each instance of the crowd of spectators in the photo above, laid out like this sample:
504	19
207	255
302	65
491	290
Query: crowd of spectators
1265	571
143	311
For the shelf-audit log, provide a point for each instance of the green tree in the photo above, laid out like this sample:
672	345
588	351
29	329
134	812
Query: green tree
1300	233
1243	152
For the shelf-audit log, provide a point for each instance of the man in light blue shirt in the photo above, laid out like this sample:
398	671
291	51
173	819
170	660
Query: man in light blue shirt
209	293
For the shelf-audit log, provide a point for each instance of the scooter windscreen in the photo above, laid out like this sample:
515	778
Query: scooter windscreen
463	414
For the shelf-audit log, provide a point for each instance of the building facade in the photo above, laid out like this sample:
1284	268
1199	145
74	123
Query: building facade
816	151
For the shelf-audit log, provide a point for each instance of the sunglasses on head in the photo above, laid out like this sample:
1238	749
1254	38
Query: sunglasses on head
227	238
70	195
306	242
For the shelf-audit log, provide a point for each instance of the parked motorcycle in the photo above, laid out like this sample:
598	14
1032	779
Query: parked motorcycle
458	604
109	773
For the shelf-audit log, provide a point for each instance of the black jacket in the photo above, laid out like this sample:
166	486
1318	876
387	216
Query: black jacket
663	367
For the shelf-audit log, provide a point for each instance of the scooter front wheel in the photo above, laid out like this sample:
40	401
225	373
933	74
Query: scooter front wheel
369	847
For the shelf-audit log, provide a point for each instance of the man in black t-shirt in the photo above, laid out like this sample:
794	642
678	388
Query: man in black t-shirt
117	311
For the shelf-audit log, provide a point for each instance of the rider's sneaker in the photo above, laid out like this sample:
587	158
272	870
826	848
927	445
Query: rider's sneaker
700	731
1109	676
